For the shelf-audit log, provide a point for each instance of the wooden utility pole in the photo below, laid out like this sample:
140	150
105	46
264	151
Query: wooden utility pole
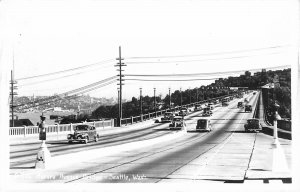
120	65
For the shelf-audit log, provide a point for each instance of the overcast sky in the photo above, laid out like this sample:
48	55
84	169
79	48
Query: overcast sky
51	36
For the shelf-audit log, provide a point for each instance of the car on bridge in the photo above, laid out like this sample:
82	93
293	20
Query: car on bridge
168	116
240	105
253	125
211	106
203	124
177	122
225	104
248	108
183	112
207	112
83	133
198	107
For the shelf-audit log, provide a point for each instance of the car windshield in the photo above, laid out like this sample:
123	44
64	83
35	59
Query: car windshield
81	127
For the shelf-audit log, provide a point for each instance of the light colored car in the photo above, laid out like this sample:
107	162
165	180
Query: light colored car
168	116
177	122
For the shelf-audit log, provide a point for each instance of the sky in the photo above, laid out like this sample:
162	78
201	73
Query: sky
197	36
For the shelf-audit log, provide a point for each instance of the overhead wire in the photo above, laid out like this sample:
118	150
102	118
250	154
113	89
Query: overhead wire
198	60
75	91
57	78
201	74
67	70
215	53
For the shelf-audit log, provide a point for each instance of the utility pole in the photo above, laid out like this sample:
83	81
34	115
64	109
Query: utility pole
119	100
141	104
170	97
12	93
120	65
155	102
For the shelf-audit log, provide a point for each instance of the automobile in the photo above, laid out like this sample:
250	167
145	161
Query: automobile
240	104
83	133
225	104
207	112
203	124
198	107
211	106
183	112
253	125
248	108
168	116
177	122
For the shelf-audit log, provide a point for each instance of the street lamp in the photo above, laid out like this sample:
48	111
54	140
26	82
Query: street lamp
276	117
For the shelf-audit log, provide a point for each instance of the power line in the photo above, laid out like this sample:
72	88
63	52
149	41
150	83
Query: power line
197	60
57	78
206	54
171	79
200	74
68	70
75	91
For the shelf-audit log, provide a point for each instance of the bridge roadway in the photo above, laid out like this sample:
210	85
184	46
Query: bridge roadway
224	154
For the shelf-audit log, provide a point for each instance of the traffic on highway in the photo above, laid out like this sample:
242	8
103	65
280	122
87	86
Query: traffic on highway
218	146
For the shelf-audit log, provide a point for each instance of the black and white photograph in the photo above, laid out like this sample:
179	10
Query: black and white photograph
143	95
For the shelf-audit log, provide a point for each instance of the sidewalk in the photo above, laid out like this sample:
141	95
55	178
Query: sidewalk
265	158
34	138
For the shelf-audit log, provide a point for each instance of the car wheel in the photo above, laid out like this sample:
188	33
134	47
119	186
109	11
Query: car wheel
85	141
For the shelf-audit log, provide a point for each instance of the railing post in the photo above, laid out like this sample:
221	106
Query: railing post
25	128
57	128
71	127
131	120
149	115
94	124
